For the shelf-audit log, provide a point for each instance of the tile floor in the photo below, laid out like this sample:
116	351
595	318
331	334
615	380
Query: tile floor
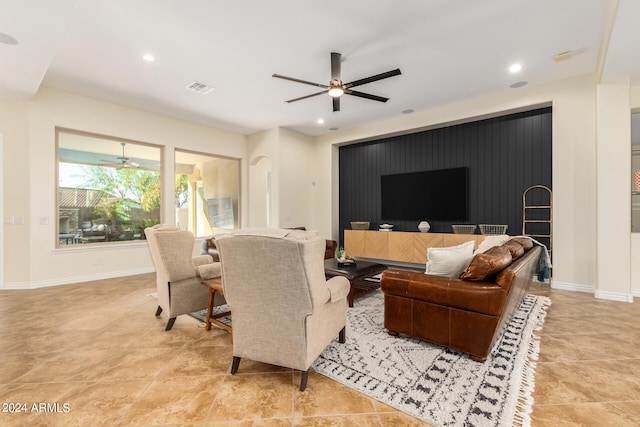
97	348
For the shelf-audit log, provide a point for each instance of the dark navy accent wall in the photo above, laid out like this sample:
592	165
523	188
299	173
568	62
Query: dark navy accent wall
505	155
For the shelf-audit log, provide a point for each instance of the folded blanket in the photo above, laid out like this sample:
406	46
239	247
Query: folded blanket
543	269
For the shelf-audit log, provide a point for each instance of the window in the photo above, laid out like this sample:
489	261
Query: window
207	193
108	188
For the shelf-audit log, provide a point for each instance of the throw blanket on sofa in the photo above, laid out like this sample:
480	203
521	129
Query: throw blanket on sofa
543	270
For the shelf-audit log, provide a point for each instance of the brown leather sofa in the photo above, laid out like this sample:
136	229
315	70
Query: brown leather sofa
469	313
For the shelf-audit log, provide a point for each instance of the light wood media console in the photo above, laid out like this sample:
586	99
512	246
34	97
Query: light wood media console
400	246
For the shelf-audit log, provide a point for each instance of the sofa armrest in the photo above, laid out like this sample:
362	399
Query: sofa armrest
199	260
209	271
338	288
330	249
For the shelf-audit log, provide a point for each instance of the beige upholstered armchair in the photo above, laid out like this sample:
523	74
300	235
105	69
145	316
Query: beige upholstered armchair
178	274
284	312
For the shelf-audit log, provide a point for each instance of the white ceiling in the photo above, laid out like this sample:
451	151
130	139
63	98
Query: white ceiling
447	50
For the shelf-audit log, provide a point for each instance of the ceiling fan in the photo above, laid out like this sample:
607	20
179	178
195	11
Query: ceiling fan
336	88
123	161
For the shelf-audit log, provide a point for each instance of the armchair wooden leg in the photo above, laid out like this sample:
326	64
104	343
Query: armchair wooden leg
343	335
303	380
170	324
158	311
234	365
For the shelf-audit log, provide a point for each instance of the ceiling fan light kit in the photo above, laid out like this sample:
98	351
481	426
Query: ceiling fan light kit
336	88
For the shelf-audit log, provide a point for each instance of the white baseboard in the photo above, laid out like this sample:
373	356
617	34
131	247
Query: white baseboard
572	287
75	279
612	296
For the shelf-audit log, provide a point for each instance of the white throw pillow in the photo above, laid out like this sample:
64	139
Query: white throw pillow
491	241
450	261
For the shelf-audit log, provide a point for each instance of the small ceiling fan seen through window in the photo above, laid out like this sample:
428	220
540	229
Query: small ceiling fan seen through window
123	161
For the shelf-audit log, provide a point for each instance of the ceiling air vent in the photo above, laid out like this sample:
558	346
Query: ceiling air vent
200	88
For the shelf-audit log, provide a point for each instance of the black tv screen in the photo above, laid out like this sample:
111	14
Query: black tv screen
428	195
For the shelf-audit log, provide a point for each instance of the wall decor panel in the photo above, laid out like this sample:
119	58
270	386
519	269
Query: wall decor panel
504	156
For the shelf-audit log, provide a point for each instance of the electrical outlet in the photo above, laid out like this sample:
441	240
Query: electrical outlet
8	220
43	220
19	220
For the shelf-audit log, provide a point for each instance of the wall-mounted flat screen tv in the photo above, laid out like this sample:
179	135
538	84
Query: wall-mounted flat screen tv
427	195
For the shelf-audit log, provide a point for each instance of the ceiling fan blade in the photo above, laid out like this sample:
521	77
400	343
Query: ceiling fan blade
300	81
335	65
306	96
336	104
366	95
374	78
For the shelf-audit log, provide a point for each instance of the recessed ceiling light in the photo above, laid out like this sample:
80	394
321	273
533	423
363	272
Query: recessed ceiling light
320	121
148	58
515	68
407	111
7	39
518	84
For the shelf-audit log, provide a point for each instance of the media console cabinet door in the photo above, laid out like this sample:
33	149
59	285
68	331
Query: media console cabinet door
424	241
376	244
354	243
400	246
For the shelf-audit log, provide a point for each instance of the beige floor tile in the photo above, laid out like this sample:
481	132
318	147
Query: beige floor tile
269	422
253	396
23	397
591	346
94	404
400	419
324	396
339	421
587	381
196	361
584	415
174	400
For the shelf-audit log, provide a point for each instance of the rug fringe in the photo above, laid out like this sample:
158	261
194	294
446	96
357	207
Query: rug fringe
524	404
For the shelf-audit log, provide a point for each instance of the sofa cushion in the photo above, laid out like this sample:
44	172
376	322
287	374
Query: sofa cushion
449	261
491	241
485	265
524	241
515	248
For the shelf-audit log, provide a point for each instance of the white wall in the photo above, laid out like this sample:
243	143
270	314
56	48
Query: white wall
574	165
292	177
296	180
613	190
31	259
263	156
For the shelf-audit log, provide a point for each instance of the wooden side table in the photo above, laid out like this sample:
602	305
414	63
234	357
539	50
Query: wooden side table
215	285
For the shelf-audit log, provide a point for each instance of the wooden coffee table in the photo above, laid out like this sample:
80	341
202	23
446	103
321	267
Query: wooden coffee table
356	274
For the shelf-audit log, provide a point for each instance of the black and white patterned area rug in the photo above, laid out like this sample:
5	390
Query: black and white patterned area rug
434	384
202	314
